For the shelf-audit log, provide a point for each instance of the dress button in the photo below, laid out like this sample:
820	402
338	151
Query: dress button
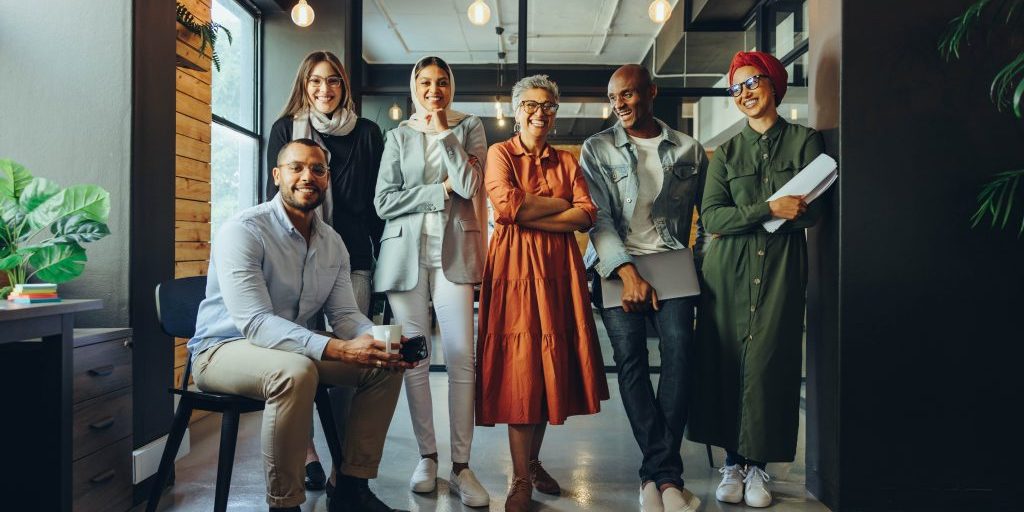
750	337
761	252
629	200
764	156
765	179
752	308
757	280
764	137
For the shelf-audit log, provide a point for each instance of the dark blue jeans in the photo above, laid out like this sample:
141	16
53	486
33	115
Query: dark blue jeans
658	420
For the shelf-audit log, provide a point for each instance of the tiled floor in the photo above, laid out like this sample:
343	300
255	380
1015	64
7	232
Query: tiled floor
594	458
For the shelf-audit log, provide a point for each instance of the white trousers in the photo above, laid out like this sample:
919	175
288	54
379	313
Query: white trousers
453	304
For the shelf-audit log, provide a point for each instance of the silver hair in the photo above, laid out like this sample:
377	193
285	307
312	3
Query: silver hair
533	82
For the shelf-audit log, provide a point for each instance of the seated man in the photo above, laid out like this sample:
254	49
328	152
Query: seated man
273	267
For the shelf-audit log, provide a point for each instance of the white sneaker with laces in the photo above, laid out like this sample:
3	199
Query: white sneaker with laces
424	479
650	498
730	489
679	500
469	489
756	493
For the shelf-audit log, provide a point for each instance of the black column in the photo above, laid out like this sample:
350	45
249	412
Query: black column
521	62
152	212
354	50
915	324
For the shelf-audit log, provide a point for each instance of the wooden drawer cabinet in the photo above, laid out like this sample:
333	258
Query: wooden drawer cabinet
102	421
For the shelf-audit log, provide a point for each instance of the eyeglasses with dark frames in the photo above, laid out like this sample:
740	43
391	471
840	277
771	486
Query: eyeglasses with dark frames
750	83
333	82
531	106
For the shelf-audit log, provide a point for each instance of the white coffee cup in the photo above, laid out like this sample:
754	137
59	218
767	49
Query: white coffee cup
389	334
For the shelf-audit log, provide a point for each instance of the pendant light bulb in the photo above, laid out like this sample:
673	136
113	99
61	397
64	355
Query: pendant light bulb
497	105
605	111
794	114
395	112
500	115
501	122
659	11
302	14
479	13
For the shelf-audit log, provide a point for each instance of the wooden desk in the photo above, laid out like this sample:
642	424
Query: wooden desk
37	431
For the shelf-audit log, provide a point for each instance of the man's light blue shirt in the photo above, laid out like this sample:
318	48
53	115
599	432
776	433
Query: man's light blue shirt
265	283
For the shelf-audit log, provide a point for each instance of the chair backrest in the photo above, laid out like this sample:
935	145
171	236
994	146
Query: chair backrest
177	305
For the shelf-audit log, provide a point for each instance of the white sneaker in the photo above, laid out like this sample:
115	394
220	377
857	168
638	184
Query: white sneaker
757	494
679	500
424	479
650	498
730	489
469	489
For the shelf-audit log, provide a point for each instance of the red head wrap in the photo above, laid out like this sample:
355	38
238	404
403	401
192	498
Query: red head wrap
767	64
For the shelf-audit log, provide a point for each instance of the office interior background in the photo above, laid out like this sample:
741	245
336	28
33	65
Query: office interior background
913	320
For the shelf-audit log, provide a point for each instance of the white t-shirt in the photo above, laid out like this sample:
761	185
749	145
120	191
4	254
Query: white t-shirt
433	222
642	237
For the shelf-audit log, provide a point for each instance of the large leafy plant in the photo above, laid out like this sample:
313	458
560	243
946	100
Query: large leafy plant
43	226
1003	23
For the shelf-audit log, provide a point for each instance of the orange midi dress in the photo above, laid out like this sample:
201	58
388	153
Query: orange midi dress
538	358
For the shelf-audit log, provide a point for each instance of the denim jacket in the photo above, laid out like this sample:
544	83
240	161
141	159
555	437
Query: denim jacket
609	162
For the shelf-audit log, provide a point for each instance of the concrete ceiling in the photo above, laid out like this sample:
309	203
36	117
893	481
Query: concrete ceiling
597	32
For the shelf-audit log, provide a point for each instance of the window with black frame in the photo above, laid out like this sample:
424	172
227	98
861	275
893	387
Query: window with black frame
235	138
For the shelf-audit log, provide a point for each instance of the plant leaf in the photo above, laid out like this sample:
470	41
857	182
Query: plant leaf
10	261
1018	99
37	192
13	179
12	214
58	263
89	200
78	228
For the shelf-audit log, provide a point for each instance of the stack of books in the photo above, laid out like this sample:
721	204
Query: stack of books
34	293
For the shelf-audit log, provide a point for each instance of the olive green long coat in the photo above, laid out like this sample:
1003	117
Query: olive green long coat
747	355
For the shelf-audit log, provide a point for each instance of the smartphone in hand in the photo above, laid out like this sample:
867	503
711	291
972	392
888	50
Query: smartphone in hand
414	349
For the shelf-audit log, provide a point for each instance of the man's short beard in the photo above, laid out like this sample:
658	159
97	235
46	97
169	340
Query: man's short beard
290	200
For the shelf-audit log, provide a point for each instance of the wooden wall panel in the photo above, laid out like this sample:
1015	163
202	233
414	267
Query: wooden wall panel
192	162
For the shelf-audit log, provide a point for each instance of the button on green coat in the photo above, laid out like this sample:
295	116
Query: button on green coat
747	355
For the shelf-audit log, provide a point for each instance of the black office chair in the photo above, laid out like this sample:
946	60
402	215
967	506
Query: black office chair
177	304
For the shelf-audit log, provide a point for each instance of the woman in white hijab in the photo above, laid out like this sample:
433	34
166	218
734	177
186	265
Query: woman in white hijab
432	252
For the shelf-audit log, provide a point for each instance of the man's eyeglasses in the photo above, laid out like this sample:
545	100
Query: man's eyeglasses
531	106
318	170
332	81
750	83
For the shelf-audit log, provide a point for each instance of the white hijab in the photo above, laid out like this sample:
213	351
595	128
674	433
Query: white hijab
418	120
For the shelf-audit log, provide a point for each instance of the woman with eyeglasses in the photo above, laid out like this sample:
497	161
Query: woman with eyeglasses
320	107
539	356
431	256
750	323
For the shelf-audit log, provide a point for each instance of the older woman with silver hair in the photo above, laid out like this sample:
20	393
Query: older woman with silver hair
539	360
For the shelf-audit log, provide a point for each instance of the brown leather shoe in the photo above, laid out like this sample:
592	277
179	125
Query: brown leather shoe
519	495
542	480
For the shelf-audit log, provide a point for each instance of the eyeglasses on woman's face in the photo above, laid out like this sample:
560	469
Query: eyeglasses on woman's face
333	82
531	106
750	83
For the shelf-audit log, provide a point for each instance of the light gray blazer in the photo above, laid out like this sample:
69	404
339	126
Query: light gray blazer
402	198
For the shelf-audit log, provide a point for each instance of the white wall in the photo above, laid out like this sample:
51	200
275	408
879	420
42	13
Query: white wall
65	113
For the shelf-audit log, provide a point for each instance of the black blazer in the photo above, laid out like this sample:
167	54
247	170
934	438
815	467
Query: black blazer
355	163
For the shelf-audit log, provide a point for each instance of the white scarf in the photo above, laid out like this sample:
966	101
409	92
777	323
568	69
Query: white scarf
309	124
418	120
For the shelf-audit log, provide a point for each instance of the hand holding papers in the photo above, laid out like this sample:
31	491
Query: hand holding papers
810	183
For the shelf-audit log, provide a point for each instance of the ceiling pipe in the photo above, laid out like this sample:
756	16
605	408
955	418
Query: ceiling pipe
608	28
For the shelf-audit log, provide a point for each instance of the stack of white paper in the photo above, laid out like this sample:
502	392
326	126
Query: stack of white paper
811	183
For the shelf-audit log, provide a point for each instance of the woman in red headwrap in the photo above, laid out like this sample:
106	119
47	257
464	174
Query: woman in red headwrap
750	323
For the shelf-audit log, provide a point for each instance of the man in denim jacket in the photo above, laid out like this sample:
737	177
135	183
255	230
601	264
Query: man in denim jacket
645	179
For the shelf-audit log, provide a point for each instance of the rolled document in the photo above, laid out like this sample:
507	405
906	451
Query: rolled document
811	183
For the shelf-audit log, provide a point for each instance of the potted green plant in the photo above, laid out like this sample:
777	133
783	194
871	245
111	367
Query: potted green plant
1003	23
207	32
42	226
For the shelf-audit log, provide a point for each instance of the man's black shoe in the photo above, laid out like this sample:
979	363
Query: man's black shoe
315	477
285	509
354	495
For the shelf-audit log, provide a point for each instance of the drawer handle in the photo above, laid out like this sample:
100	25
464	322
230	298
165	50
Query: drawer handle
102	371
102	424
103	477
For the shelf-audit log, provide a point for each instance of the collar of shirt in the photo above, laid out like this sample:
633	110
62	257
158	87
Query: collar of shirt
751	136
622	138
518	149
286	223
